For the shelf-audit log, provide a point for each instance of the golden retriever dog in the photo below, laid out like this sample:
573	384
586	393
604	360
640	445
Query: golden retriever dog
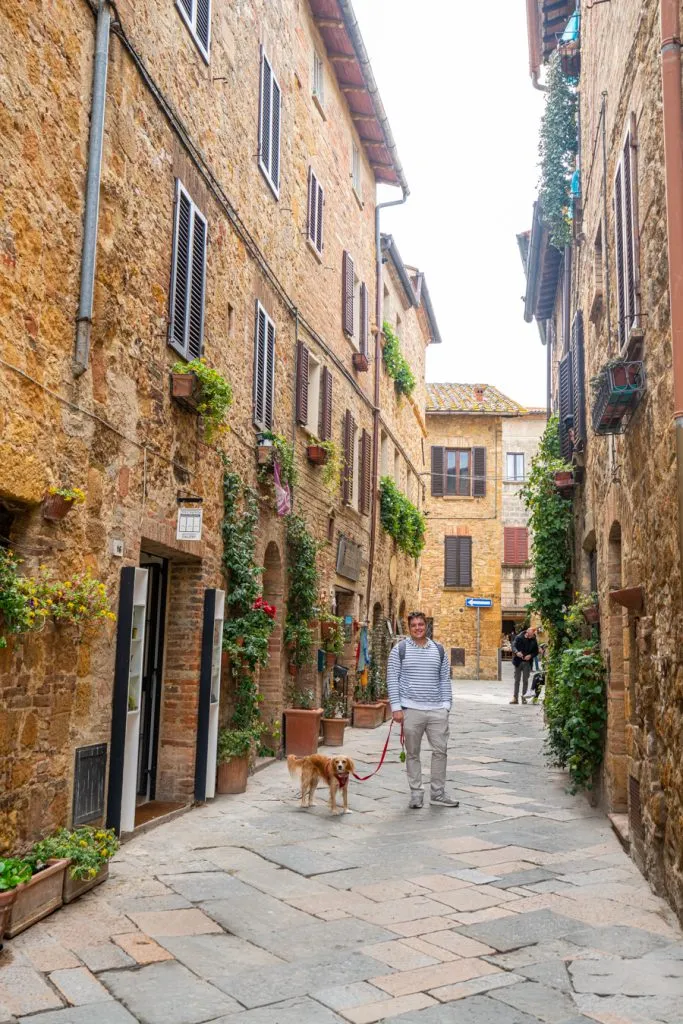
331	771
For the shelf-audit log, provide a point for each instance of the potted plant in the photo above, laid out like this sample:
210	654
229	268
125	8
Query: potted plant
204	391
395	362
38	896
234	752
13	873
59	501
88	851
334	719
334	638
302	722
316	452
275	448
368	711
564	480
617	388
360	361
379	685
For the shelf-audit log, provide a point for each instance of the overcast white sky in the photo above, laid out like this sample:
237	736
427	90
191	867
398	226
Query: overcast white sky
453	76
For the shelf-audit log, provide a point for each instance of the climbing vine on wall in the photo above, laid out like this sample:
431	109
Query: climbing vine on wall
396	363
302	599
400	518
558	147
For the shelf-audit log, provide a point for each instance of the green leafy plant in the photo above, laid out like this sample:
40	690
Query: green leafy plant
89	849
395	362
332	468
14	872
558	146
575	711
72	494
400	518
16	614
234	743
215	397
302	599
301	698
284	455
334	705
333	633
550	518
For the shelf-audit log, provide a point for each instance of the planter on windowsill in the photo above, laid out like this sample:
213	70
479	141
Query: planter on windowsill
301	731
232	775
368	716
630	597
56	507
185	390
316	454
37	898
333	731
564	482
360	361
264	454
592	614
75	887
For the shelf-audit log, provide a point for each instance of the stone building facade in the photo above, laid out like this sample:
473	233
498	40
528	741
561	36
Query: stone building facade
463	557
226	129
607	299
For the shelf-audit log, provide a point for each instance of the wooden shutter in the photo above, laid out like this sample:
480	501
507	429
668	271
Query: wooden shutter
320	203
264	368
269	126
366	473
364	320
310	214
479	472
458	562
347	471
315	212
275	137
195	330
629	239
325	425
579	388
516	545
270	374
301	384
186	329
347	294
566	409
437	471
204	23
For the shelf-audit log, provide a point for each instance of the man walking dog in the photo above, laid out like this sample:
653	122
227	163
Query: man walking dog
525	649
419	685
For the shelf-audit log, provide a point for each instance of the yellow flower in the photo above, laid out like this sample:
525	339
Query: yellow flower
83	843
68	584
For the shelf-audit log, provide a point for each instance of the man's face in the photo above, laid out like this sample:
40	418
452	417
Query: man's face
418	628
530	633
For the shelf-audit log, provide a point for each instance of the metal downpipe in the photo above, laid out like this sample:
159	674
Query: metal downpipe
92	190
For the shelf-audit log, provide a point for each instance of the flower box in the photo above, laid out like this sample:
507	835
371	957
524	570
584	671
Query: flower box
6	901
333	731
564	481
302	728
56	507
387	710
75	887
185	390
592	614
360	361
264	454
368	716
37	898
232	775
617	389
316	454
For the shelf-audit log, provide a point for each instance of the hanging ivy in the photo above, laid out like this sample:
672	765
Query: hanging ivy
396	363
558	147
400	518
550	517
302	598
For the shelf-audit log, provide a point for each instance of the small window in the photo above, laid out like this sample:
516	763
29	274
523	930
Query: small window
269	126
197	16
318	90
355	171
515	465
188	279
458	471
264	369
316	202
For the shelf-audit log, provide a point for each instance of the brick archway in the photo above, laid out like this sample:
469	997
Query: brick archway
615	747
272	675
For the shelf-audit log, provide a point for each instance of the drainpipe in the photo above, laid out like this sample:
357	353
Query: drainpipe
379	304
92	190
536	84
673	165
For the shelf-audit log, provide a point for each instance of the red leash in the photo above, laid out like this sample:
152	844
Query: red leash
364	778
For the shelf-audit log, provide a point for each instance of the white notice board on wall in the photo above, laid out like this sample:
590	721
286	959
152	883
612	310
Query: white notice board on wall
189	524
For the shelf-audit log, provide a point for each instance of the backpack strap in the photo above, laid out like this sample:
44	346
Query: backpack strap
402	652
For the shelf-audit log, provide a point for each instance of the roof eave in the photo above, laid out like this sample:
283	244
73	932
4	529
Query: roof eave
389	246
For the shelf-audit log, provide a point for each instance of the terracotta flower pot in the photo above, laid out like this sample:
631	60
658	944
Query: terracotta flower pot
301	731
330	659
264	454
75	887
387	710
333	731
592	614
292	668
360	361
56	507
325	630
316	454
564	481
368	716
6	901
232	775
37	898
185	390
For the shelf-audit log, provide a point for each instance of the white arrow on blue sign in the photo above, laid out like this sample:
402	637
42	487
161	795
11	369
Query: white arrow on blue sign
479	602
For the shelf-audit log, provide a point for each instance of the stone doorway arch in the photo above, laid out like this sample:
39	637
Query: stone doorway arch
273	674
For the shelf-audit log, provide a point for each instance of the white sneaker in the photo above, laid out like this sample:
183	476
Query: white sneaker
444	801
416	800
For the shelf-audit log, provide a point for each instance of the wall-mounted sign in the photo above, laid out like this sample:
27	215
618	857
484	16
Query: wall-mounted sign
189	524
479	602
348	558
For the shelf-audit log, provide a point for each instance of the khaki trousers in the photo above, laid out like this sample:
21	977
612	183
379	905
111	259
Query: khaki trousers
415	725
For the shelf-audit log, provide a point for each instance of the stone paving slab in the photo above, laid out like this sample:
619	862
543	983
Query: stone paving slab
295	1011
78	986
210	956
106	1013
548	1004
521	929
167	994
474	1010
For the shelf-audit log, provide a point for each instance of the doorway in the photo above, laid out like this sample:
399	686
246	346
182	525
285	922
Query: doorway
150	697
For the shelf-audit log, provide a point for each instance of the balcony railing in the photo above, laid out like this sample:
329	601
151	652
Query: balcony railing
617	390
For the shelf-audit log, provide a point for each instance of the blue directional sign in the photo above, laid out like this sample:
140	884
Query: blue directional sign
479	602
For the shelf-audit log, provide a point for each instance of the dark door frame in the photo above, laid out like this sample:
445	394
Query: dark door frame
153	672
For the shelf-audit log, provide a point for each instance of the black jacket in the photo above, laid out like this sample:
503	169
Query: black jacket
524	645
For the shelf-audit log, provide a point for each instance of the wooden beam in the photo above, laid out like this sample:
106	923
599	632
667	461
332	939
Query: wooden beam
354	88
328	22
342	58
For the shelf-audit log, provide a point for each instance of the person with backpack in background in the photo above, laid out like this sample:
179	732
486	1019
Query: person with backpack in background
419	687
525	649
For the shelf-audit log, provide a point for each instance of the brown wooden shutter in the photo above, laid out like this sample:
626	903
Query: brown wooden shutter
310	208
458	562
270	375
364	324
195	328
366	473
325	423
450	578
522	548
347	471
319	202
509	545
347	294
437	471
619	248
479	472
579	387
259	366
566	405
181	271
516	545
301	384
629	240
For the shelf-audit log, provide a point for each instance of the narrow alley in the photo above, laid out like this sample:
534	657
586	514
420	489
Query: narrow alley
518	907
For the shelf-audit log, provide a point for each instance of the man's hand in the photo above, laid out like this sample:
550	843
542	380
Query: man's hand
397	716
527	657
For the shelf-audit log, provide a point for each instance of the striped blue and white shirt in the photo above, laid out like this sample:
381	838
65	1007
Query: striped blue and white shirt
423	681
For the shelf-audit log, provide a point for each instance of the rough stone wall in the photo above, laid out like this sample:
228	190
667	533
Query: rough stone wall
520	434
479	518
115	431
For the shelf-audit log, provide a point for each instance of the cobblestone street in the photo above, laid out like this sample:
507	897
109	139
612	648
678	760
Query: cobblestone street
518	907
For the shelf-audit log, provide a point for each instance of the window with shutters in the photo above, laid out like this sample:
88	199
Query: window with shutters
626	239
458	562
566	404
515	465
318	89
348	469
316	203
188	279
458	472
356	179
348	278
313	395
264	369
579	432
515	545
269	125
197	16
365	488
